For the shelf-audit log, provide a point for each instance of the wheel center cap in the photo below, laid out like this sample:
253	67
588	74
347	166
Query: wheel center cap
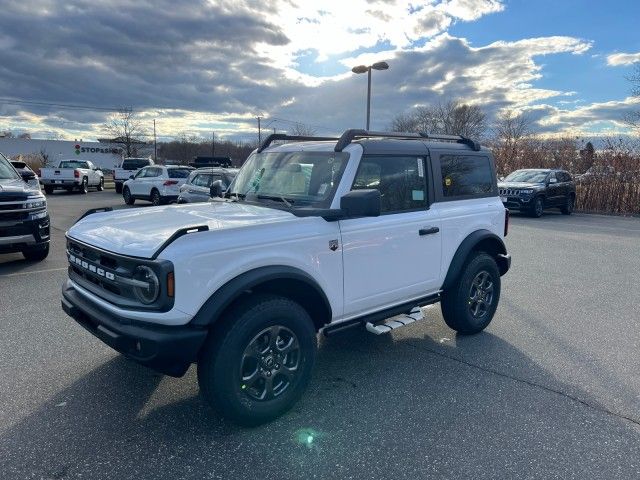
268	361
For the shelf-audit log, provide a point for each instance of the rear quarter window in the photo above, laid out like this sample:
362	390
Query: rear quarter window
466	176
178	172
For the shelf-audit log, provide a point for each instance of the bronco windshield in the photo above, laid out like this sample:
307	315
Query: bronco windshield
291	178
527	176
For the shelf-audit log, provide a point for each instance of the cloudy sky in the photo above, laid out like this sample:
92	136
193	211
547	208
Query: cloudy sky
202	66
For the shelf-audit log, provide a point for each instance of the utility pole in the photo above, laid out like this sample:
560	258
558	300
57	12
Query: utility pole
259	117
213	144
155	143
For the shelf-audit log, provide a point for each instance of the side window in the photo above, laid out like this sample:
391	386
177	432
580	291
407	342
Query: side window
153	172
551	176
141	173
465	175
401	181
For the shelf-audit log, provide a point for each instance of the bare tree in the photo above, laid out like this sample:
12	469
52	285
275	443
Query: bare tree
302	130
125	129
633	118
510	130
451	118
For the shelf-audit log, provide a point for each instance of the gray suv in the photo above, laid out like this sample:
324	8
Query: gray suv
197	186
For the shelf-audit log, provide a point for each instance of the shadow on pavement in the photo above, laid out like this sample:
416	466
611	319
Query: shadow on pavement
378	407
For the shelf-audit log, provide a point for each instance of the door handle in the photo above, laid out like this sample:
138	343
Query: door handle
428	230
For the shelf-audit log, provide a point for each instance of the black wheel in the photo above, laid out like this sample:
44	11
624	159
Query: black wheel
258	364
84	187
126	195
118	188
48	189
155	198
36	255
537	208
469	305
567	208
101	184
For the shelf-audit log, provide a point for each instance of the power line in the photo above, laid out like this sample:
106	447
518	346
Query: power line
35	103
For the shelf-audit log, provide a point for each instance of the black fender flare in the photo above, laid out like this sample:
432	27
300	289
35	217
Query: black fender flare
211	310
480	239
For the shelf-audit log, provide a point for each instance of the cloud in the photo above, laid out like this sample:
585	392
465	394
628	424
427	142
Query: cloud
617	59
198	66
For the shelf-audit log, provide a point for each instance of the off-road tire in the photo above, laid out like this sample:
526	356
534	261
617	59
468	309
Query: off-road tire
457	304
127	197
84	186
221	363
36	255
100	186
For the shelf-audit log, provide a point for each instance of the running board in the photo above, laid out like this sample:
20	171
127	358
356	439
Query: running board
395	322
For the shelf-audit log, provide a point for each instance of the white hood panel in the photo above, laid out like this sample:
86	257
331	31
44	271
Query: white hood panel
139	232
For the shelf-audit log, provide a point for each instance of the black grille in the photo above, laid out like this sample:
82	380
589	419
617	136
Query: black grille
10	206
13	197
13	216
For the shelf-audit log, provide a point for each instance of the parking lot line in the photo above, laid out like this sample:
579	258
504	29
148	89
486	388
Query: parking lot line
33	271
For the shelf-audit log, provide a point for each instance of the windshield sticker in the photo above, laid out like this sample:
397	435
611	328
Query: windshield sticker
420	168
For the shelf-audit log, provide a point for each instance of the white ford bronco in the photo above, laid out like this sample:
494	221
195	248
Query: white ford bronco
312	236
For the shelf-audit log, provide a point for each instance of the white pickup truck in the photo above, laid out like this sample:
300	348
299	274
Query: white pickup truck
71	175
130	166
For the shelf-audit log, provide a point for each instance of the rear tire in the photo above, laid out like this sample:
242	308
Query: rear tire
118	188
48	189
101	185
469	305
128	198
155	198
84	187
567	208
259	362
36	255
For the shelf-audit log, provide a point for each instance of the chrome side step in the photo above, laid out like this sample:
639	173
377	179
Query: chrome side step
385	326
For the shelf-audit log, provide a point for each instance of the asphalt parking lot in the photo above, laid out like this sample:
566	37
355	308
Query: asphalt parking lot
550	390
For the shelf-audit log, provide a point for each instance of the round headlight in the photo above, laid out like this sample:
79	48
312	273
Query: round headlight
149	293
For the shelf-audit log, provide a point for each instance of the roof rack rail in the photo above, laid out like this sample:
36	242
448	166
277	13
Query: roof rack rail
283	136
350	135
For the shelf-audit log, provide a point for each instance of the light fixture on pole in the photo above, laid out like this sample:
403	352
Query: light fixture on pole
367	69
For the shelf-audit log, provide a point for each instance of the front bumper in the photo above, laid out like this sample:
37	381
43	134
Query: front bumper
517	203
169	350
19	235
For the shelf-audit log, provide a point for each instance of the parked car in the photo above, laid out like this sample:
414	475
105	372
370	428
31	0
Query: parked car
313	236
24	220
533	190
158	184
26	173
198	184
130	166
72	175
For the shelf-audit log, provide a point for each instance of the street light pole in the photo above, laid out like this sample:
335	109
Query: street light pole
367	69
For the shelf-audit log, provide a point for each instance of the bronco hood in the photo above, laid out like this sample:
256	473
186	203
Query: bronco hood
140	232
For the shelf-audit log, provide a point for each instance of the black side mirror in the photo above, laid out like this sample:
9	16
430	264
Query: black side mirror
130	177
27	175
361	203
216	190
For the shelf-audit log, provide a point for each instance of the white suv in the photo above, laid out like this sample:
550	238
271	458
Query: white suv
320	235
158	184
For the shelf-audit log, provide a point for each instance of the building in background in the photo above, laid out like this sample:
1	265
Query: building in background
104	154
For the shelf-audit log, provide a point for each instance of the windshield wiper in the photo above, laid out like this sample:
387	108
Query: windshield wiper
280	198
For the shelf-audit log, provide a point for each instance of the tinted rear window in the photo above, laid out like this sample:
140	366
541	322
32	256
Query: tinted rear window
135	163
73	164
466	175
178	172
